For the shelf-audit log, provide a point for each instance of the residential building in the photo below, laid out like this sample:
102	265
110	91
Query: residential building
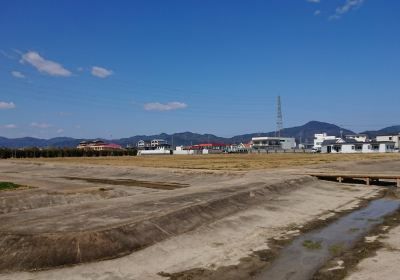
98	145
144	145
353	146
394	138
239	148
152	144
320	138
159	143
210	148
273	143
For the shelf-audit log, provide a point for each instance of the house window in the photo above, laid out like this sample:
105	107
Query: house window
352	147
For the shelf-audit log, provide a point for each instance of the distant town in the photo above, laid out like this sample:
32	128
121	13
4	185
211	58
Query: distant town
323	143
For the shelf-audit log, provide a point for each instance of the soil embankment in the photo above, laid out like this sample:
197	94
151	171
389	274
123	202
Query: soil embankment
24	250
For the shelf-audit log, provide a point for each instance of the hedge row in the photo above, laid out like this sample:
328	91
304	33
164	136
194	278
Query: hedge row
64	152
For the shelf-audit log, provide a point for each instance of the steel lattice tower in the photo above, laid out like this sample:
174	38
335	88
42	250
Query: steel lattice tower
279	120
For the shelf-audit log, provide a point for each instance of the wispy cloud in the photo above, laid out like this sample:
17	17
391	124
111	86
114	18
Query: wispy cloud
17	74
156	106
345	8
43	65
9	126
101	72
60	130
317	13
64	114
6	55
314	1
40	125
6	105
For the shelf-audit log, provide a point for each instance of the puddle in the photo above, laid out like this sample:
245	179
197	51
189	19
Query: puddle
309	252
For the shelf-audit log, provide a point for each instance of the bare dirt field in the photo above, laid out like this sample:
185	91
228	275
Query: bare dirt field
215	217
223	162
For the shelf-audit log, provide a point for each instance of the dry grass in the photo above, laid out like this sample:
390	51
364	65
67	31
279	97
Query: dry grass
222	162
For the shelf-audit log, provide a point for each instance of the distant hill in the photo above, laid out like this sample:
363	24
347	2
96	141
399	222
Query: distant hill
384	131
305	133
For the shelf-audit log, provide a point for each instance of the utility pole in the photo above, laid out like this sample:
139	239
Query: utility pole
279	120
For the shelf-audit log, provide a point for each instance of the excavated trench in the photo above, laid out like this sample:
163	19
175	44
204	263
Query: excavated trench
42	249
307	253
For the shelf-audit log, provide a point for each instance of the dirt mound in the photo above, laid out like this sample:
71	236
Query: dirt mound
40	251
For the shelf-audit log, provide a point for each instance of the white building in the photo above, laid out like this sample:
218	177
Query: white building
320	138
353	146
161	150
180	150
158	142
144	144
153	144
358	137
394	138
273	143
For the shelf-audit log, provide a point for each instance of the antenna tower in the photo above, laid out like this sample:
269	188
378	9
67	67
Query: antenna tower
279	120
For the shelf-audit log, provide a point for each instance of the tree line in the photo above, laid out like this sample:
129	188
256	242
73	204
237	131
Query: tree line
61	152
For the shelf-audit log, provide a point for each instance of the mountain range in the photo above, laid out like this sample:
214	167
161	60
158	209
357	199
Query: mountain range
304	133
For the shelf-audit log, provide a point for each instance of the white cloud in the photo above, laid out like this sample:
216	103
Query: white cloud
6	105
101	72
11	125
314	1
156	106
17	74
317	13
44	66
59	131
346	7
40	125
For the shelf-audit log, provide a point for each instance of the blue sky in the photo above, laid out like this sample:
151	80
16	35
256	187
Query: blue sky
123	68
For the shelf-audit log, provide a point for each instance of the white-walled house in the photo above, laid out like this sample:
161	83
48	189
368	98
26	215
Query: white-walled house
153	144
320	138
352	146
394	138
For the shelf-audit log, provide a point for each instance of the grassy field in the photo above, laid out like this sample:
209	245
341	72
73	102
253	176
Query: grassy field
222	162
